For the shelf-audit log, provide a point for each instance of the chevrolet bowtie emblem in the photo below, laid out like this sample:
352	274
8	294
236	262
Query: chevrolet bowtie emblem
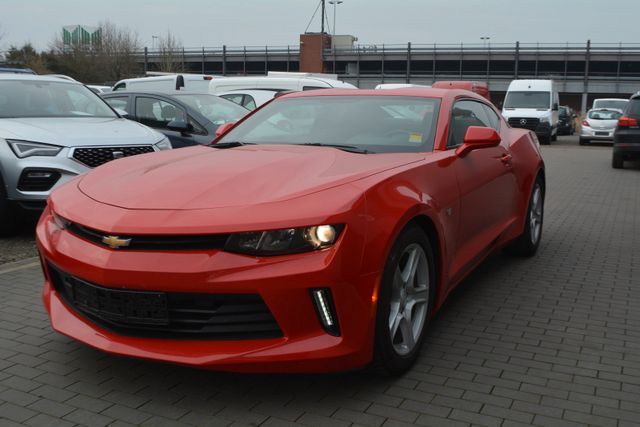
115	242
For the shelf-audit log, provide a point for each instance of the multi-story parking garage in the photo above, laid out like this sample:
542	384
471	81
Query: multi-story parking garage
583	70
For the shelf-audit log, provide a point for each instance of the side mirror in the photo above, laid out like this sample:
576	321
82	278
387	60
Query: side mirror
555	106
224	128
178	126
478	137
122	113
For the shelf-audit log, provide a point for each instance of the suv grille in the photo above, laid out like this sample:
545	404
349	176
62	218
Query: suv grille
167	315
96	156
524	122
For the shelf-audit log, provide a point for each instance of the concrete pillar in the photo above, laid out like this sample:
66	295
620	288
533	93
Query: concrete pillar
585	85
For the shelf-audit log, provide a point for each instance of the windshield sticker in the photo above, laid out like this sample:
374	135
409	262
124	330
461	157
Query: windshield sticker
415	137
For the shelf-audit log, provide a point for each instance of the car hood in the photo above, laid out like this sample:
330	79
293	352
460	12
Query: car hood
205	177
78	131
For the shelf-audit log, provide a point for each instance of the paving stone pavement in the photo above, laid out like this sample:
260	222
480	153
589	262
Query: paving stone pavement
548	341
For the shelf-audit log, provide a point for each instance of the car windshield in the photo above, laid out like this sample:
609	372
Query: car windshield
610	103
527	100
366	123
214	108
34	98
604	115
564	111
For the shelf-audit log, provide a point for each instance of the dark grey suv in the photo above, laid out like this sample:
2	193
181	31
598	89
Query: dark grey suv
626	139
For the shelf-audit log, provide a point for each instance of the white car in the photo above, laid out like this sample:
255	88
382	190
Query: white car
599	125
249	99
52	130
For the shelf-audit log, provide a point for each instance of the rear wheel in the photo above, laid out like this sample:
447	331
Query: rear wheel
617	161
583	141
405	302
527	243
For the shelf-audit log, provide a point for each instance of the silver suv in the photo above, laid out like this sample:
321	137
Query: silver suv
52	130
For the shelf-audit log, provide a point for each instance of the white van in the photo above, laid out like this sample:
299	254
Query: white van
166	83
276	82
533	105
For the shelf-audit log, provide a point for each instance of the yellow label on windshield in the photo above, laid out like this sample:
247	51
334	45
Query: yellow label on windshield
415	137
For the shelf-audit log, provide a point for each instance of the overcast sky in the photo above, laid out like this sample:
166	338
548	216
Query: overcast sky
279	22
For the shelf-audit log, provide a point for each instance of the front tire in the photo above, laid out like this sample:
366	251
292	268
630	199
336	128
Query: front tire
527	243
583	141
405	302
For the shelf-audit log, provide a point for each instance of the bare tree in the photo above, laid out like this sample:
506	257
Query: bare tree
117	50
170	51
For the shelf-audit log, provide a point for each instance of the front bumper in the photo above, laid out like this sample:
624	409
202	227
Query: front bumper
283	283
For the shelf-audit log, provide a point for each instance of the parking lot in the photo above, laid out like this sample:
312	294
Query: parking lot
549	341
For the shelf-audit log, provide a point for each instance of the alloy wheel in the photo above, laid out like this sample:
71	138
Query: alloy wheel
409	299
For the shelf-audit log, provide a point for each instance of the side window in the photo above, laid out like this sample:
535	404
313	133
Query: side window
249	103
236	97
157	113
121	86
119	102
494	120
313	87
463	115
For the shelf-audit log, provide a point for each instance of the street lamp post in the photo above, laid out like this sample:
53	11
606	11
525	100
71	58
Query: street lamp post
153	41
485	41
335	4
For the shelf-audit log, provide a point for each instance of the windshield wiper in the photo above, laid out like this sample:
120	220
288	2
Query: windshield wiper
348	148
231	144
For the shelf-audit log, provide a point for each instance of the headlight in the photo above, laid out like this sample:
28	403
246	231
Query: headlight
285	241
545	120
60	222
24	149
164	144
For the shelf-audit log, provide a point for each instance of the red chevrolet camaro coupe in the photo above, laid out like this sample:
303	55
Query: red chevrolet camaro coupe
321	233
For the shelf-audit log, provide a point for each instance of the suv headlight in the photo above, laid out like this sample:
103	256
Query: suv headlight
164	144
24	149
285	241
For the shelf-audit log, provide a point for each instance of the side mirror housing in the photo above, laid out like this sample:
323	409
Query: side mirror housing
478	137
555	106
224	128
122	113
178	125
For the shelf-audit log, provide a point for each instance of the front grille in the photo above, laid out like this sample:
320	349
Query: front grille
37	179
168	315
524	122
154	242
96	156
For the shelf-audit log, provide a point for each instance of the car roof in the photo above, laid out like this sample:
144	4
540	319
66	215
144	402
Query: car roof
156	93
423	92
32	77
